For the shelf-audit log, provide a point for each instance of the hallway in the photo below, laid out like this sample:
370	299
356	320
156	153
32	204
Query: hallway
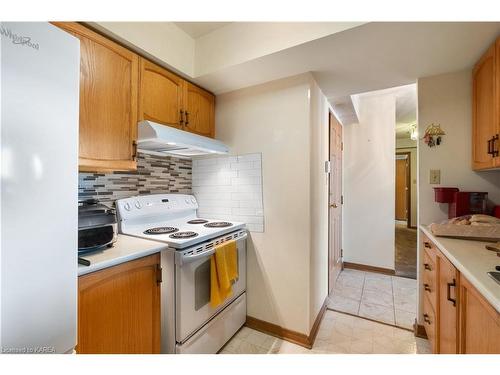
406	251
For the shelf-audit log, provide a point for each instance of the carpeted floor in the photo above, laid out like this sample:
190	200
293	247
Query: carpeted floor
406	251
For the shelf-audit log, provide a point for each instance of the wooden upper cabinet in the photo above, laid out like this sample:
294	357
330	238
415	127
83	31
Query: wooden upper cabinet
199	111
448	306
108	102
160	95
485	116
479	322
167	99
119	309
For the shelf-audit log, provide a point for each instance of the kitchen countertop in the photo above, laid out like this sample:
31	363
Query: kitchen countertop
125	248
473	261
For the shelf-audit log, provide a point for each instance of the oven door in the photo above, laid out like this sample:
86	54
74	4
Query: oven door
192	291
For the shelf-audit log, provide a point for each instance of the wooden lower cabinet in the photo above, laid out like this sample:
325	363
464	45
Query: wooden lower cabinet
457	318
119	309
430	324
479	322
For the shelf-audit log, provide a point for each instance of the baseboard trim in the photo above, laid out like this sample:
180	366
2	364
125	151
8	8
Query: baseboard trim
364	267
307	341
419	330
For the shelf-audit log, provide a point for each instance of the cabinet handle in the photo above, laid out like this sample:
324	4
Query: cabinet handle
427	266
427	245
426	319
134	150
489	147
427	287
448	292
181	121
494	150
187	118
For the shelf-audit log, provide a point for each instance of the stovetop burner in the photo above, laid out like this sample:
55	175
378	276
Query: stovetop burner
218	224
161	230
180	235
198	221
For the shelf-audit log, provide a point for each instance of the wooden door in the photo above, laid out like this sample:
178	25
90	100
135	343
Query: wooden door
448	306
484	107
119	309
160	95
479	322
200	110
335	202
402	176
108	102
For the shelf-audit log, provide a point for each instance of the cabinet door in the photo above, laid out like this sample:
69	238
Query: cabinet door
160	96
479	322
497	101
484	119
119	309
200	110
448	306
108	102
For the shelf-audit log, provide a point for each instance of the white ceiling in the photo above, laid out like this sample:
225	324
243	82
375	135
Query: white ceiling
369	57
198	29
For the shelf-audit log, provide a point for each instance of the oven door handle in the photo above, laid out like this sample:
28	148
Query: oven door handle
193	258
183	259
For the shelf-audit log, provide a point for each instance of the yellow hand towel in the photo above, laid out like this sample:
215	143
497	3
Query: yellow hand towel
223	271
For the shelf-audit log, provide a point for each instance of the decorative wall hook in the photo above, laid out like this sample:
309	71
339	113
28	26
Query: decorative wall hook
433	135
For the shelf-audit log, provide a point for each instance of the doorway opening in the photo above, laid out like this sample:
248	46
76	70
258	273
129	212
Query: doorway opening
379	279
405	215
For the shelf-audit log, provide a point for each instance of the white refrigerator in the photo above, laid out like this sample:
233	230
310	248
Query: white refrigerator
39	99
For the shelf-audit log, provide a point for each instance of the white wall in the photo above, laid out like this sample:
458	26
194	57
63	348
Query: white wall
369	178
319	146
447	100
275	119
162	41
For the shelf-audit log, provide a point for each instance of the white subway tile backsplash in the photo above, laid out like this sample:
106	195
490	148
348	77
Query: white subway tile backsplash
230	188
243	165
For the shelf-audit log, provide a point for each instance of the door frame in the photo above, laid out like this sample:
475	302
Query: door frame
408	185
330	114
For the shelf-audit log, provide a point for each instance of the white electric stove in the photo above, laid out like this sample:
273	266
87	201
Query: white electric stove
189	323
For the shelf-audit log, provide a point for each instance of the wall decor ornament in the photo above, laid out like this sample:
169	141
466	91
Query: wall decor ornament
433	135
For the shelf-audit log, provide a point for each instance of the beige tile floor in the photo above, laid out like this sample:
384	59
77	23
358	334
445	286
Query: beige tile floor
338	334
387	299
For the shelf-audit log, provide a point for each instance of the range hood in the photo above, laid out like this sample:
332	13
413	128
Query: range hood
157	139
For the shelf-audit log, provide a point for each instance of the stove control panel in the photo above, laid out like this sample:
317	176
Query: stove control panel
155	204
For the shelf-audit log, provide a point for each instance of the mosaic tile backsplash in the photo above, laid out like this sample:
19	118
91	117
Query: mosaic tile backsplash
154	175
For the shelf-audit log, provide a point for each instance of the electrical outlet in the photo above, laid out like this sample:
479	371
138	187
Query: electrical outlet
435	176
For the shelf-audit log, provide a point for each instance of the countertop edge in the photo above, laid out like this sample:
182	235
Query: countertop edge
119	260
492	299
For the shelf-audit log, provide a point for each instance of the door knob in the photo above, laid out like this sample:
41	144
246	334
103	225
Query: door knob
333	205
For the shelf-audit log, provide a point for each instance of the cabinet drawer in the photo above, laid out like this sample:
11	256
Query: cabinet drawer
430	324
429	277
429	247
